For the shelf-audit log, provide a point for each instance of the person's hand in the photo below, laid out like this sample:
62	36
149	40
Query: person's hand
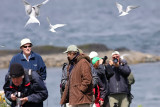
13	97
116	64
110	62
100	61
101	102
24	100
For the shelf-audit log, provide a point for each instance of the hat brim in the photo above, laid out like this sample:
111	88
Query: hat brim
65	51
24	44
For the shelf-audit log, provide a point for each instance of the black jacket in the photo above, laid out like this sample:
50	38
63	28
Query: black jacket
102	81
118	83
34	89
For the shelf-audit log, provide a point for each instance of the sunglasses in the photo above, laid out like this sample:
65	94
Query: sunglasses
71	53
27	46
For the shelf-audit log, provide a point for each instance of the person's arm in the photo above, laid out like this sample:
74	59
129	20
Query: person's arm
42	68
7	88
109	71
40	92
101	68
102	88
64	76
87	75
94	76
124	70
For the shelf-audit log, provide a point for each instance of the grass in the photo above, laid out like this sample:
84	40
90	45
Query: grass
4	105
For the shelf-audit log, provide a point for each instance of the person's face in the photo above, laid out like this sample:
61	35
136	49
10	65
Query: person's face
115	56
26	49
17	81
71	55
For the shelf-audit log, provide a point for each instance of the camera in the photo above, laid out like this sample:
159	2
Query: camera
115	105
115	60
104	59
18	101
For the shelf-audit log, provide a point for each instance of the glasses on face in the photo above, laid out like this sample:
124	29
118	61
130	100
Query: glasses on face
27	46
115	56
70	53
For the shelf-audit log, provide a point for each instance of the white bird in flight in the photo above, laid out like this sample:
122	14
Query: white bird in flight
123	13
122	56
33	12
53	27
2	46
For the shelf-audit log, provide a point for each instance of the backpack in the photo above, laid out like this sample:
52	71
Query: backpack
29	73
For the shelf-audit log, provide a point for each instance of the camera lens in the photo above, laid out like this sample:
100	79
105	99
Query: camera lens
115	60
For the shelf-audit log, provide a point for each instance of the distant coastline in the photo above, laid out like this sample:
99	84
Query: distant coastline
54	56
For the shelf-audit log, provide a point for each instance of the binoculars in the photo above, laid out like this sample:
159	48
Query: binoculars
18	101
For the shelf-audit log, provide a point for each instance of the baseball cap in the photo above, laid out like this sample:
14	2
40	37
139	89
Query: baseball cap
115	52
71	48
16	70
95	59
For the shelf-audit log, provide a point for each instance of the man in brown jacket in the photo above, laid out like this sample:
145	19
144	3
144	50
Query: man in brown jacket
78	90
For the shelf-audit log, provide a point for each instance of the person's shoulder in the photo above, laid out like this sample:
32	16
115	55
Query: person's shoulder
83	58
17	56
36	54
7	77
35	75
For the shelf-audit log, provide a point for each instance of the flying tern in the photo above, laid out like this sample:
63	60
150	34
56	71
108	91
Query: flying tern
2	46
123	13
122	56
33	12
53	27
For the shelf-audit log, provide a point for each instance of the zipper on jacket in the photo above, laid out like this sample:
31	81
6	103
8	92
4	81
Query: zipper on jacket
117	86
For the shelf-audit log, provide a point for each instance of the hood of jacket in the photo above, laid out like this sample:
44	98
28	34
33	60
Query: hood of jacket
82	56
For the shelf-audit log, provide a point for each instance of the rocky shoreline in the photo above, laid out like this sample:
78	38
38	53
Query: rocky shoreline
57	59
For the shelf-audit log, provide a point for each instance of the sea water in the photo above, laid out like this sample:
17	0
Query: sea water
145	90
87	21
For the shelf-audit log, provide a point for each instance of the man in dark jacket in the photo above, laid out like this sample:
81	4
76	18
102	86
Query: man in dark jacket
19	89
118	83
29	59
78	90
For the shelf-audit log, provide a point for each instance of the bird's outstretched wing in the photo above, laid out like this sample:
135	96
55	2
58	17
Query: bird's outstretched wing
120	7
48	20
37	7
28	7
58	25
45	2
122	56
129	8
2	46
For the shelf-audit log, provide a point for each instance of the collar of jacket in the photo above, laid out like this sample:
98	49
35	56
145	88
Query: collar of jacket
32	56
83	56
78	58
26	83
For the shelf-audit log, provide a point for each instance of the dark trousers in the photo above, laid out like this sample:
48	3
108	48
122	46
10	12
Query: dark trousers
106	102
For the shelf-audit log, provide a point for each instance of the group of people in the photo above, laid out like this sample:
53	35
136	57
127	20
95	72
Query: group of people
25	81
90	81
87	80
